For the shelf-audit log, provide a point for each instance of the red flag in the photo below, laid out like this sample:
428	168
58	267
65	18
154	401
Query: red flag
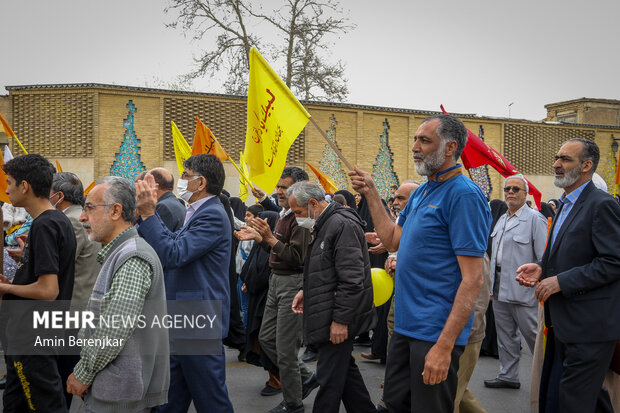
478	153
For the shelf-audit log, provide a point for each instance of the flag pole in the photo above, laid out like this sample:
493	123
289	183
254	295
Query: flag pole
332	144
241	174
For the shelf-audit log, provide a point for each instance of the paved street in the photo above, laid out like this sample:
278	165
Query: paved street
245	382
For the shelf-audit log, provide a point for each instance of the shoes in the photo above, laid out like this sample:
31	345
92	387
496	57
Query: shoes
287	408
3	382
241	356
498	383
308	356
372	356
270	391
307	386
380	408
362	342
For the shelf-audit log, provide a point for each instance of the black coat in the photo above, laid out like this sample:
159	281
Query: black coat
586	259
337	281
172	211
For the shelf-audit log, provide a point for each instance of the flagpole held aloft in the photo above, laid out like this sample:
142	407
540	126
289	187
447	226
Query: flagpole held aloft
332	144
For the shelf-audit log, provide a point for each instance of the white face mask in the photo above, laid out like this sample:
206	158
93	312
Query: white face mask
59	199
306	222
182	189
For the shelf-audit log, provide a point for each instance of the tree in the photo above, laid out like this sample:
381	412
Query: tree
303	27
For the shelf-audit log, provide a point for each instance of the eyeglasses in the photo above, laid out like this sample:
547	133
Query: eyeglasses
514	189
89	207
185	175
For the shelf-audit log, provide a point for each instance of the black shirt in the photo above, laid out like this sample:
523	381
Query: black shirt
49	249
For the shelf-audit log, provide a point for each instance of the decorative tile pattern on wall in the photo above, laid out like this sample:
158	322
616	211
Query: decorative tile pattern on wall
56	125
127	163
480	175
609	173
531	148
225	118
383	170
330	163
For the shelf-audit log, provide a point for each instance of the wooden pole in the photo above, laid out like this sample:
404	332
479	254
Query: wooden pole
332	144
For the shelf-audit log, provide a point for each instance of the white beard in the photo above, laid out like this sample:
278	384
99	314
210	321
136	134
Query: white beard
569	178
431	163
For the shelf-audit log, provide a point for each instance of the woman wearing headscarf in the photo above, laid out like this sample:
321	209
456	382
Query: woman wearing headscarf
236	331
243	251
349	197
379	340
255	276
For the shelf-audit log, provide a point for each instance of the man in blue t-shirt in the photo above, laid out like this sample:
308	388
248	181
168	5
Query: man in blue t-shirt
441	236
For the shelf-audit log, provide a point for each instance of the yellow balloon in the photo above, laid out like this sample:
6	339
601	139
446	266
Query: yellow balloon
382	286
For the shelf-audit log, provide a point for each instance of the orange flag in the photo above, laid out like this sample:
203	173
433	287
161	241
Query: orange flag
3	185
4	127
205	142
327	183
58	167
91	186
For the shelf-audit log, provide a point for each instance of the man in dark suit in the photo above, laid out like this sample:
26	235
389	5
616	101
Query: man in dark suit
195	261
170	209
580	272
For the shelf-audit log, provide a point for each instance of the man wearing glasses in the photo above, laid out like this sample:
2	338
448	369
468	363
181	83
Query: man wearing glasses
195	261
518	237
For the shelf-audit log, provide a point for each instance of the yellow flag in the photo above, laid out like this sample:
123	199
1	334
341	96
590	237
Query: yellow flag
58	167
274	120
182	151
243	185
3	184
328	184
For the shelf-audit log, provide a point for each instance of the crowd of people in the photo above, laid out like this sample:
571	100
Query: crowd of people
470	277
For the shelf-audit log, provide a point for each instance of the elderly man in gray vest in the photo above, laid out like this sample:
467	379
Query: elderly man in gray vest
519	237
132	374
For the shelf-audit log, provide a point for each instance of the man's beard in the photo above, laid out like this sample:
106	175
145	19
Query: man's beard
431	163
569	178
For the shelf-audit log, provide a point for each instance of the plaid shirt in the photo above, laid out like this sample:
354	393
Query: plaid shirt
126	296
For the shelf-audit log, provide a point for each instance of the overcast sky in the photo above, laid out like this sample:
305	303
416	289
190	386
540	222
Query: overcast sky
474	56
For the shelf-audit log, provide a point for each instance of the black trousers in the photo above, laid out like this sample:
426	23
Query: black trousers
340	379
33	384
380	332
405	390
573	375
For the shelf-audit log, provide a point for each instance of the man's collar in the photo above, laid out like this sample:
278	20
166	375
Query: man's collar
165	195
103	252
446	174
196	204
574	194
284	212
518	211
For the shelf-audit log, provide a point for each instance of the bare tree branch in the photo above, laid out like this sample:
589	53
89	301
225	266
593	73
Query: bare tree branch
303	24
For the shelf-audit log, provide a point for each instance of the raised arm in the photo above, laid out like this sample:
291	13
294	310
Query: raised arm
387	231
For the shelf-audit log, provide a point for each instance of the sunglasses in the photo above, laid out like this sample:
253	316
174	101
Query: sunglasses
514	189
